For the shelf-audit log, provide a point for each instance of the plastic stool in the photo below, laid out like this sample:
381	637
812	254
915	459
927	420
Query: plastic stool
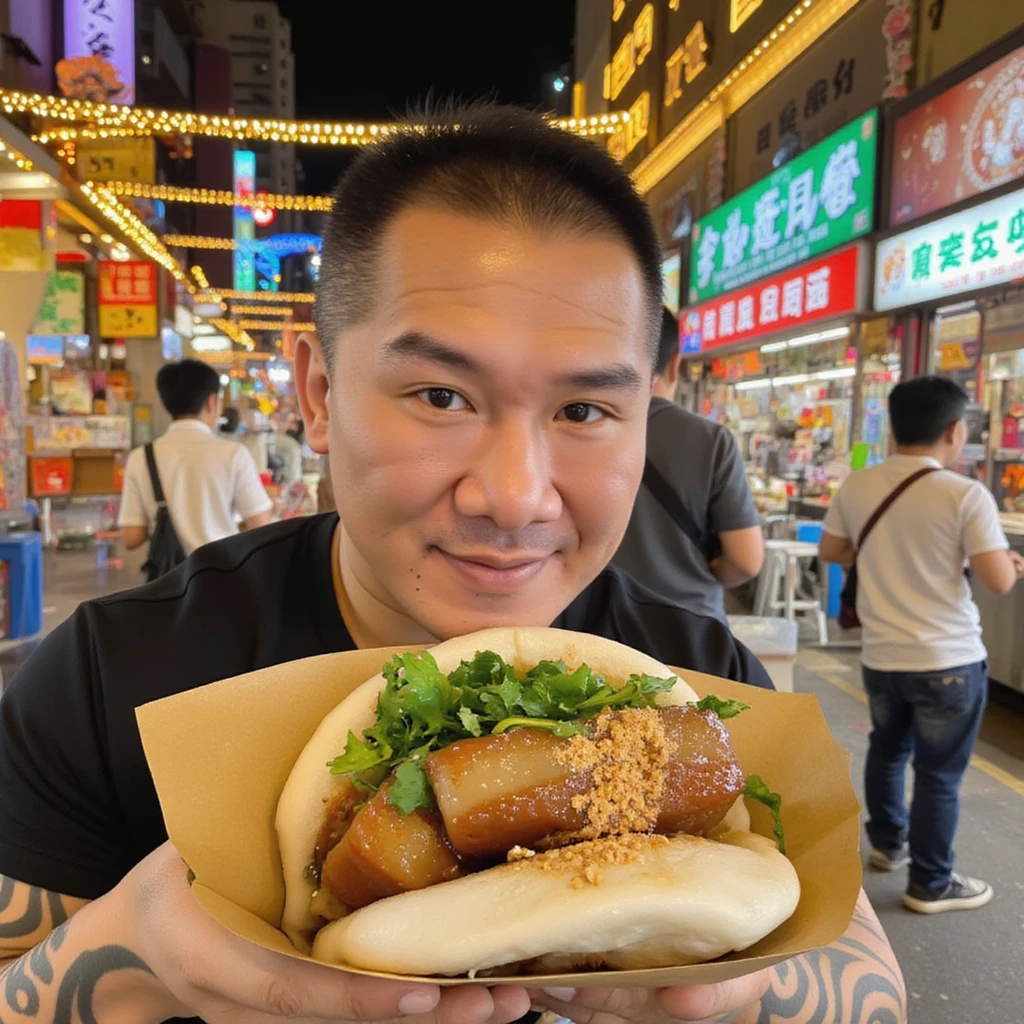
23	553
831	574
777	587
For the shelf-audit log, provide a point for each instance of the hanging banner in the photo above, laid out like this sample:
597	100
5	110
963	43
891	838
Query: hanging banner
127	299
62	310
244	225
819	200
963	142
820	290
99	50
976	248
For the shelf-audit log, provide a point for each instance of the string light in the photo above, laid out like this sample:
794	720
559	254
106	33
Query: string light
261	310
228	293
114	120
197	273
274	325
199	242
144	241
17	158
216	197
775	52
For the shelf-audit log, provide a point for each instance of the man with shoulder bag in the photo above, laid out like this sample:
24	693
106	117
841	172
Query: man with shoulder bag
190	487
917	526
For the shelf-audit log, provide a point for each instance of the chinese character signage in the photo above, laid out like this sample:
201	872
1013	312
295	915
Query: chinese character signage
99	39
819	200
819	290
963	142
976	248
116	160
127	299
63	307
838	79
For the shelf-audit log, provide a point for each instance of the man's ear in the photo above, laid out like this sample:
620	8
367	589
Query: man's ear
674	369
313	385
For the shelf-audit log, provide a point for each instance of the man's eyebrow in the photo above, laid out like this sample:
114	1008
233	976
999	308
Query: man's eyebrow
617	377
421	346
415	344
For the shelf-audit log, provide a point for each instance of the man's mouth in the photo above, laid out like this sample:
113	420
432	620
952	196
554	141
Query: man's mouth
492	573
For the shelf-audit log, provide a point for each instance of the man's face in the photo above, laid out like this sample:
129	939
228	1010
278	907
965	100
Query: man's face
486	426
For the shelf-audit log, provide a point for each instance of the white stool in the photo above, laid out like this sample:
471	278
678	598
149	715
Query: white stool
778	587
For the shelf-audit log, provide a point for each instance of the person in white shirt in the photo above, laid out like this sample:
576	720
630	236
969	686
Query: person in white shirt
209	482
924	663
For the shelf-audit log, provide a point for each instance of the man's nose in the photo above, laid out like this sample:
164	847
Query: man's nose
510	481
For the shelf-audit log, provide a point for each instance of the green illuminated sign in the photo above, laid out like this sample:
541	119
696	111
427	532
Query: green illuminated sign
819	200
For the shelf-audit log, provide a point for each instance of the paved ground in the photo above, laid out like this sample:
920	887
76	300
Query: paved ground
961	968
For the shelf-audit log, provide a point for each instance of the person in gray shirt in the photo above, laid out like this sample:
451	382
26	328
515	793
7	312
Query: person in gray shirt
694	529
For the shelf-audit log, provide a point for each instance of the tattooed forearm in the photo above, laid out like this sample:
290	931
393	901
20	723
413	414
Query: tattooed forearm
28	914
36	987
856	980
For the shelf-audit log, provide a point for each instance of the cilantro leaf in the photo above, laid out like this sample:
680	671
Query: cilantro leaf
411	790
359	756
470	721
757	789
722	708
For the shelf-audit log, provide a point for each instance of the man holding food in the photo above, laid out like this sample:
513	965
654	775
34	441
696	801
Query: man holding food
488	315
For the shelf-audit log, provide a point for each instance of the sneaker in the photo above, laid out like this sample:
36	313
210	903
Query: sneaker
890	860
962	893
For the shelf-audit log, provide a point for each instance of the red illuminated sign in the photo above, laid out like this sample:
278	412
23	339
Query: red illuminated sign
264	216
817	290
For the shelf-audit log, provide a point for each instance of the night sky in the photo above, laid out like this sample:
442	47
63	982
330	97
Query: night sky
395	52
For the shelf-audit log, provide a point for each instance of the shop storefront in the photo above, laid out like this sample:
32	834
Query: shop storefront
958	158
778	291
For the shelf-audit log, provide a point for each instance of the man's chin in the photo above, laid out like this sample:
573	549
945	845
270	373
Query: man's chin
455	611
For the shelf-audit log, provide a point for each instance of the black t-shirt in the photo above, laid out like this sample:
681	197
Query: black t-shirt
77	805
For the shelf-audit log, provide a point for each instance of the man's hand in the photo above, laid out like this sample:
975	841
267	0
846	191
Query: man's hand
691	1003
1018	563
204	970
813	986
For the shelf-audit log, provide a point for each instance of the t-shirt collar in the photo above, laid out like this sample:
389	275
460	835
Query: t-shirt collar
189	425
915	460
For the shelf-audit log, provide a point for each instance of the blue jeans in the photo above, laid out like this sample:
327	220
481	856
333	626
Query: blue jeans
935	716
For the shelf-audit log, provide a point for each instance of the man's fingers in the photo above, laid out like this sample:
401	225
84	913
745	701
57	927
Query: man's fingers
706	1002
510	1003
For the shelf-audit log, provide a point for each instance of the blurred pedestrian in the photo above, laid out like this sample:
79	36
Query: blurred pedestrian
694	529
208	483
924	662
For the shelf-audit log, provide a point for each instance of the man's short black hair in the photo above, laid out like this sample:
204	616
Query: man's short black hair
921	410
501	163
668	343
186	387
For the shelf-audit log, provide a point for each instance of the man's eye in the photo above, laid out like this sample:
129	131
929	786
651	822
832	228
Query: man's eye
582	412
443	398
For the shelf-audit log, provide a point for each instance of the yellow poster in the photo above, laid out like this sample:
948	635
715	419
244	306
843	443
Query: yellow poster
116	160
128	321
953	356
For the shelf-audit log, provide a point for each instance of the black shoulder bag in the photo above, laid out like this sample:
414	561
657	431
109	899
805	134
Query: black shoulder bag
848	618
165	550
709	546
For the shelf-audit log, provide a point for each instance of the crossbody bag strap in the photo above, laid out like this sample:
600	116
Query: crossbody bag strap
672	504
890	498
154	476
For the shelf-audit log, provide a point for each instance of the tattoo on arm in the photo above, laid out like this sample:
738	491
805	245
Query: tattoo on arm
24	984
855	981
31	919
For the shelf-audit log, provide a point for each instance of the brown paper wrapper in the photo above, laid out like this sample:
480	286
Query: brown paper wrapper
221	754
